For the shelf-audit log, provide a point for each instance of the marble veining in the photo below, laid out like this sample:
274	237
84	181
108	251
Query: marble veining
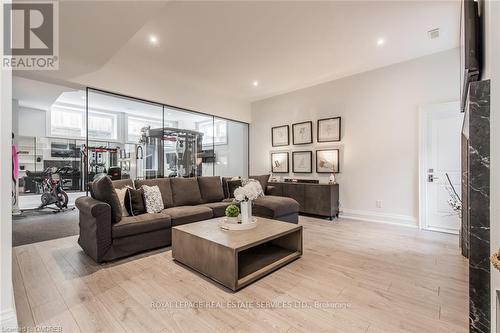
479	205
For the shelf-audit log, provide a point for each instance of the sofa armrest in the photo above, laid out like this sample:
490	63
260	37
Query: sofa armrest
95	227
271	190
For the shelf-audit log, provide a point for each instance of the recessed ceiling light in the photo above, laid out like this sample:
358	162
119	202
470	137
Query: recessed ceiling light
380	41
255	83
153	39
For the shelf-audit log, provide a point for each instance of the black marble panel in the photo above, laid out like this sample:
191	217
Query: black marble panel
479	206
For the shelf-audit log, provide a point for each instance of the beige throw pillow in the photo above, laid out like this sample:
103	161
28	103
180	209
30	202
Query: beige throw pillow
121	196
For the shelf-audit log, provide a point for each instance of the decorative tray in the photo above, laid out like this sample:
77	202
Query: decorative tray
229	224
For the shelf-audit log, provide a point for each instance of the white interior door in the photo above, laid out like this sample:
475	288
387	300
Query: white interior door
442	140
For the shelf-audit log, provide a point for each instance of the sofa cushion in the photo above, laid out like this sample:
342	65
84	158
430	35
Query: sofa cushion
188	214
152	199
133	225
123	183
211	189
232	185
103	190
263	180
134	202
121	192
185	191
165	189
272	206
218	208
224	186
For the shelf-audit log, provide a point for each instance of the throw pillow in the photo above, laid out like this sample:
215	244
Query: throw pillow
134	202
121	196
152	199
232	185
103	190
263	180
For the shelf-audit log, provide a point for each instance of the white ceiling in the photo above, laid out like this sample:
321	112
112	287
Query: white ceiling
225	46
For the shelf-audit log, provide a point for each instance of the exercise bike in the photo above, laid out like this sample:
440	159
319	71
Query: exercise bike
52	193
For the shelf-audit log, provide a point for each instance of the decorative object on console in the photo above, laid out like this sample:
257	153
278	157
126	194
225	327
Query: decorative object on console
302	161
332	179
301	181
251	190
329	129
302	133
152	199
327	161
279	162
280	136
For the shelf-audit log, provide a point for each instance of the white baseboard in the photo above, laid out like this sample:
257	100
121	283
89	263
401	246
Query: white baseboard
8	320
369	216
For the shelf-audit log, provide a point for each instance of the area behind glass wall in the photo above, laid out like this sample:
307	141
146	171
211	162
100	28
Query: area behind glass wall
136	139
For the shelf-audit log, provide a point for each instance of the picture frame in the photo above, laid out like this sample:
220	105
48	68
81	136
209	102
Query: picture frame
328	161
302	161
280	136
329	129
279	162
302	133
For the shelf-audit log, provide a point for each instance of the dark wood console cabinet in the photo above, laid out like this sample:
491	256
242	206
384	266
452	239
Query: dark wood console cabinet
314	199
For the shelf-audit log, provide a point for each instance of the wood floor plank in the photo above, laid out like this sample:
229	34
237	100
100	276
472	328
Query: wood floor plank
378	277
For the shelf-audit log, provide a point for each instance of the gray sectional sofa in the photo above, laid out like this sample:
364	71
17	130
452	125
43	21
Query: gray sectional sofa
106	235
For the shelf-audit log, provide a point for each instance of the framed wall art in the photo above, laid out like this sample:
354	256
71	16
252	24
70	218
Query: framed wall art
280	136
302	161
327	161
279	162
302	133
329	129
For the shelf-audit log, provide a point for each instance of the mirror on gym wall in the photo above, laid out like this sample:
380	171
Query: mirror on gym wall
48	135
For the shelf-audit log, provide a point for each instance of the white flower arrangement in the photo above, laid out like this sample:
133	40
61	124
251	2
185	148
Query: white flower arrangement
250	190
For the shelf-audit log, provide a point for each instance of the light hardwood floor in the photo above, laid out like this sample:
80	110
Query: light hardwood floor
381	278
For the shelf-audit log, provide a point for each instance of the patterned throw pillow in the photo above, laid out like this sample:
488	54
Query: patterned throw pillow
152	199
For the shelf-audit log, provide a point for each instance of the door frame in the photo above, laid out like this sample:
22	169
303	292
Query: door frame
423	130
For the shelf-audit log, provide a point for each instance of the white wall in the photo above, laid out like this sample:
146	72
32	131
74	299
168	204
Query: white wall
379	147
492	72
31	122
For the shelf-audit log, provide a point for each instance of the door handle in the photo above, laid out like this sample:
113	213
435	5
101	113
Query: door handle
431	178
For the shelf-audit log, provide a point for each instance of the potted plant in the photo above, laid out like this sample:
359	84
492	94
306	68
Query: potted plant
232	212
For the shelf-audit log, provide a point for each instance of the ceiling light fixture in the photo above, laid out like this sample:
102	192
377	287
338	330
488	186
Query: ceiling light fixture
255	83
380	41
153	39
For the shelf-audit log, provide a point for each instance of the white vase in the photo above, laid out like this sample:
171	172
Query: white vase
246	211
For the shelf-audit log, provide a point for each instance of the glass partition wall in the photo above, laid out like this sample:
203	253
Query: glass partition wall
138	139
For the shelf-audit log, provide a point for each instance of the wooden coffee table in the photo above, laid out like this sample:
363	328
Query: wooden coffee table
236	258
